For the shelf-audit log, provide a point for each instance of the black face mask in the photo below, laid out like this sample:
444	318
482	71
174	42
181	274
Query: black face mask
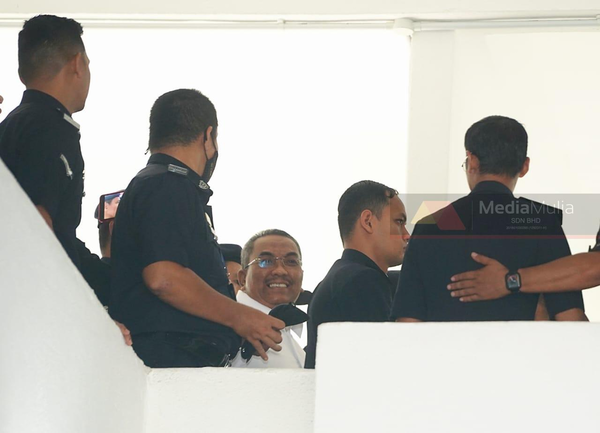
209	168
211	163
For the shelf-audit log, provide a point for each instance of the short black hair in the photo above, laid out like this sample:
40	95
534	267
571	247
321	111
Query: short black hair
179	117
500	144
361	196
46	44
249	247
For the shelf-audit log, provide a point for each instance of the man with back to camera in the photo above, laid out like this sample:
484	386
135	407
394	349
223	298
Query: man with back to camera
571	273
170	285
490	219
272	275
372	223
39	141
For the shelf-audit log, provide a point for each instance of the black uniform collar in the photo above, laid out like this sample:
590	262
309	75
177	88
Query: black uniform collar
360	258
164	159
38	97
491	187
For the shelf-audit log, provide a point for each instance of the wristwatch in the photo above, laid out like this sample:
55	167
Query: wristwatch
513	281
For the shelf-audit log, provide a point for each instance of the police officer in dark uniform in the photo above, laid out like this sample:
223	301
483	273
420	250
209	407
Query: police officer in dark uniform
170	284
39	141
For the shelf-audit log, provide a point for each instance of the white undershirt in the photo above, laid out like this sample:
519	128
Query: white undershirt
291	354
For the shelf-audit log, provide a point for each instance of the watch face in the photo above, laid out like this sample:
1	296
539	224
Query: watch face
513	281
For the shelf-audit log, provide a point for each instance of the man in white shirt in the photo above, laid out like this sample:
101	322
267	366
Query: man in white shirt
271	275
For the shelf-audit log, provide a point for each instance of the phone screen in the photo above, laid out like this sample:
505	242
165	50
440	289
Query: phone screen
109	203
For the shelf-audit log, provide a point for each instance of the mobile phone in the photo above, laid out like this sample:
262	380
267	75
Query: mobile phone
109	203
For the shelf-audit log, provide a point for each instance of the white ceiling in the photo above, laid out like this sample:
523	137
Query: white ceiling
307	9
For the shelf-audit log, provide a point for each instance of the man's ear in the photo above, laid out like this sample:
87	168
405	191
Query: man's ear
209	144
77	64
472	163
525	168
366	220
207	133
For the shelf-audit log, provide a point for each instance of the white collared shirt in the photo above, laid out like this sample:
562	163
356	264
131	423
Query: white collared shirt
291	354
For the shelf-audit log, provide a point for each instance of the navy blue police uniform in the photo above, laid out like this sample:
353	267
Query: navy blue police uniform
39	143
164	216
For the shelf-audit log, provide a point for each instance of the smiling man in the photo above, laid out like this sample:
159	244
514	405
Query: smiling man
372	223
271	275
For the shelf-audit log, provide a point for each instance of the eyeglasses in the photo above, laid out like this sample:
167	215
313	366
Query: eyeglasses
465	164
266	262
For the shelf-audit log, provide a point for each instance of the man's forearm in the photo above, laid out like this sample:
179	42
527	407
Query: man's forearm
577	272
183	289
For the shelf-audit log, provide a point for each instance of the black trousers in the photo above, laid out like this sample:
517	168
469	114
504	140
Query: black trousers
177	350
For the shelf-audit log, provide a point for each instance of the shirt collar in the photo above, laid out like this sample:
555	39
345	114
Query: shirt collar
164	159
244	299
35	96
360	258
491	187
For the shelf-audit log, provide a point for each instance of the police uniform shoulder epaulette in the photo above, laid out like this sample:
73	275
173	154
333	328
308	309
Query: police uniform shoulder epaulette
172	168
69	120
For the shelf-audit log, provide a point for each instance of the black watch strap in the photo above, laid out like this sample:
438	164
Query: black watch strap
513	281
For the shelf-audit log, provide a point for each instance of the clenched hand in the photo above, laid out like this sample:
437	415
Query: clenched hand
260	329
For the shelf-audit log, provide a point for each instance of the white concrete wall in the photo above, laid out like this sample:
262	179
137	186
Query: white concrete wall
430	120
64	367
458	377
230	400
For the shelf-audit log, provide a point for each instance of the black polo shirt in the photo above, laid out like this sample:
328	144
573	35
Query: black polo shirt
39	143
517	232
354	290
164	216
